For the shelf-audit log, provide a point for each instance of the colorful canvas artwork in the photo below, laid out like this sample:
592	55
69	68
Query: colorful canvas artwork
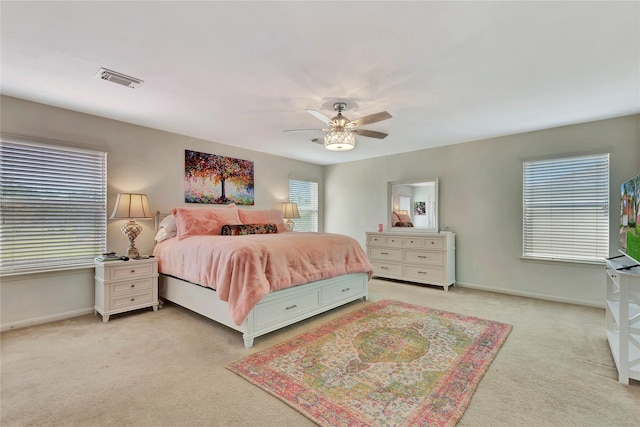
215	179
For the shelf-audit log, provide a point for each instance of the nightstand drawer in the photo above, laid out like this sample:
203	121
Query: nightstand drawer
131	286
131	300
130	270
423	257
424	273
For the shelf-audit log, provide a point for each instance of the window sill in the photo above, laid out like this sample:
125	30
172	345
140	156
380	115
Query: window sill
564	261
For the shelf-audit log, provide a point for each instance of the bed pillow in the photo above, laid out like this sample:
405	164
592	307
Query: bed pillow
199	221
268	216
167	229
244	229
394	218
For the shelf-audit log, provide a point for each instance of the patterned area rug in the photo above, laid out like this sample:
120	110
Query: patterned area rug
388	364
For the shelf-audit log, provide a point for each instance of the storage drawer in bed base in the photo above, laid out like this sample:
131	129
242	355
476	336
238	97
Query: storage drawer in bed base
276	310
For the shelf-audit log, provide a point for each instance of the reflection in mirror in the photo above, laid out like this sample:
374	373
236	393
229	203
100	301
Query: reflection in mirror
413	205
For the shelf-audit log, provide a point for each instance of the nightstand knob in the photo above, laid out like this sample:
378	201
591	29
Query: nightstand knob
133	286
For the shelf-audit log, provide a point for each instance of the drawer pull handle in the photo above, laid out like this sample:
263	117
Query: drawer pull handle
384	253
291	306
422	256
133	286
422	272
384	268
133	299
346	290
133	271
433	243
411	241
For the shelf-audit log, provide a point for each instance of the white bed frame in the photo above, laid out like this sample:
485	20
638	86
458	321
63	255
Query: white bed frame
276	310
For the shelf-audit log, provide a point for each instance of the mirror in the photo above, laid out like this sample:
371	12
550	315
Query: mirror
414	203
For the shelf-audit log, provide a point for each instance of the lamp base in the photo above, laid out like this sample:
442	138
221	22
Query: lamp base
290	224
132	230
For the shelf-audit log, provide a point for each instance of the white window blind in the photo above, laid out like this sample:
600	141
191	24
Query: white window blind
566	208
305	194
52	207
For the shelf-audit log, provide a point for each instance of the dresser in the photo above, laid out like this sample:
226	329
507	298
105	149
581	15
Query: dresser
427	258
122	286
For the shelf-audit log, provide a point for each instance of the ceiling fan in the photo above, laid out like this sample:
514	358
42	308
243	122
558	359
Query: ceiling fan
341	130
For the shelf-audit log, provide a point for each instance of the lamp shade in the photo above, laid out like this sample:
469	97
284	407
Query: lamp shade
290	210
132	206
339	140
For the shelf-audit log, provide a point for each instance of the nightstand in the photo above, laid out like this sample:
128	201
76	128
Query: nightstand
125	285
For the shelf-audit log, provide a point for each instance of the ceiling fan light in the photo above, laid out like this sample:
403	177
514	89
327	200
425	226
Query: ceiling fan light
339	141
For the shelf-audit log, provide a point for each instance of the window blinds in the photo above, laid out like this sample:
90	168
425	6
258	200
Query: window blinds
305	194
566	208
52	208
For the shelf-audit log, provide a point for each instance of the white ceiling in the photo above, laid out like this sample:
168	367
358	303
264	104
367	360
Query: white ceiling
239	73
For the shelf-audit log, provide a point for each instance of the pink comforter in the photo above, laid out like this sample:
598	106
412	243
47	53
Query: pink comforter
243	269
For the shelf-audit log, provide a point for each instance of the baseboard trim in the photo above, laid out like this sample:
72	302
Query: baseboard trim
536	295
45	319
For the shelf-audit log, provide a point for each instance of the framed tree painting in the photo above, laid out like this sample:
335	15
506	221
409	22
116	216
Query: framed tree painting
215	179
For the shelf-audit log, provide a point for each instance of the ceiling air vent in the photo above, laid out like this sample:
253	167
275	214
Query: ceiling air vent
119	78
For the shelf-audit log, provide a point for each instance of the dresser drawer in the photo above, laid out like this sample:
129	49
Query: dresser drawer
382	269
393	241
131	300
130	271
132	286
385	254
423	257
341	291
424	273
269	313
376	240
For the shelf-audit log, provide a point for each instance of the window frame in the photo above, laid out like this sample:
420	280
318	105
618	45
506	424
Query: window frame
303	209
580	206
60	191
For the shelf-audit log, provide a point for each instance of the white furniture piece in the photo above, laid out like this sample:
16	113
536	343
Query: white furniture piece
427	258
623	316
125	285
276	310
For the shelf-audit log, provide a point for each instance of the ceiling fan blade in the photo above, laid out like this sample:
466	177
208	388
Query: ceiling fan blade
303	130
370	133
318	115
372	118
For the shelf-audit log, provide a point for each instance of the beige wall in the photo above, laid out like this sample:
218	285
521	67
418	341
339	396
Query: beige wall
480	199
139	160
480	196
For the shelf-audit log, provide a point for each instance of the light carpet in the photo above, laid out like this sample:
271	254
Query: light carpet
387	364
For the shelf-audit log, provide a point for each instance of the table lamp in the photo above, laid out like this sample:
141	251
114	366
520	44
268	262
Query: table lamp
289	211
132	206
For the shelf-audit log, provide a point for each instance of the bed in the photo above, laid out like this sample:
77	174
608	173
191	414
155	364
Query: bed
246	270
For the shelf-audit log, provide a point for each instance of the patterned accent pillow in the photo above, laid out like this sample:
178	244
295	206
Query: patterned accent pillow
244	229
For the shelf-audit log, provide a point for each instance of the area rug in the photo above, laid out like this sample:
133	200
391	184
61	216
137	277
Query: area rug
387	364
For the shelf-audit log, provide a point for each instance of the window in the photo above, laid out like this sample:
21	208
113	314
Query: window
305	194
565	206
52	207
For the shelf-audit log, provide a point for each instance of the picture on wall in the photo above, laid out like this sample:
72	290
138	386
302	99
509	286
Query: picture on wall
419	208
215	179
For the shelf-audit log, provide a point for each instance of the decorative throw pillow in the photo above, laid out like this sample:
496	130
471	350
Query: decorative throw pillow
268	216
244	229
167	229
403	224
199	221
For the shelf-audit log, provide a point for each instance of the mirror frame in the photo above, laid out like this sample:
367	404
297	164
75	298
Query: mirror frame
390	227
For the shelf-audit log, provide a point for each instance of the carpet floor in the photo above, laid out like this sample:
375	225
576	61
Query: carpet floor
168	368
